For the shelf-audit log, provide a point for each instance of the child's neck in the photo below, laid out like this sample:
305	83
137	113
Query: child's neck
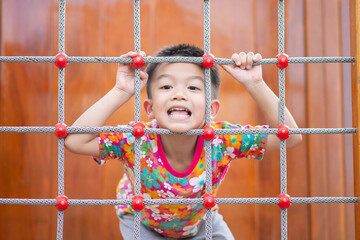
179	150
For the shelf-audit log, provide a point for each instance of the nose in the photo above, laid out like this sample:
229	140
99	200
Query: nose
179	95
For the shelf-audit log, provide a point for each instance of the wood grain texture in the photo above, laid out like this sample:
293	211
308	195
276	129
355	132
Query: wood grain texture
355	83
316	94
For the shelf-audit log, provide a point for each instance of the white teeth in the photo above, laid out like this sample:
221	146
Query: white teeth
172	112
180	116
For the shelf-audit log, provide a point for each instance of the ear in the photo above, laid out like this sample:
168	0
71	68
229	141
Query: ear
215	107
148	108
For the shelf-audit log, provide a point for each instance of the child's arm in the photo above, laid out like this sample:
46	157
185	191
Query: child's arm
251	77
97	114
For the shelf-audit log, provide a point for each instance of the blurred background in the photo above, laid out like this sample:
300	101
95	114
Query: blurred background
318	95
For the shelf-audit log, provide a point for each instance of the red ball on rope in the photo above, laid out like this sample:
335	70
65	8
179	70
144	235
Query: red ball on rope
138	203
283	132
284	200
209	200
62	202
138	61
61	60
138	129
60	130
209	133
283	60
208	60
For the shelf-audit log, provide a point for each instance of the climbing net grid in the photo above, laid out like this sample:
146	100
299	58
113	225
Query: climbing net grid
207	61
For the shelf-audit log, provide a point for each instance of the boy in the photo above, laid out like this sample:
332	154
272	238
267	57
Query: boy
172	166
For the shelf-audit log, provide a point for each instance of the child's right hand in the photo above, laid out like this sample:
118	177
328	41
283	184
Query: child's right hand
125	76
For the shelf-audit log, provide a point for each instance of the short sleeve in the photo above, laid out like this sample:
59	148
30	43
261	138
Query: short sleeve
111	147
245	146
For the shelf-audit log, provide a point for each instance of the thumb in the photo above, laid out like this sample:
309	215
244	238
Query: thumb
228	68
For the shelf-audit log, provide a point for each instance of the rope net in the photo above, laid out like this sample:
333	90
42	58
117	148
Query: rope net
62	130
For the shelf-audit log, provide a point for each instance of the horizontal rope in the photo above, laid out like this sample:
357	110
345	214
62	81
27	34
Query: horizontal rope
40	59
127	129
299	200
25	201
190	201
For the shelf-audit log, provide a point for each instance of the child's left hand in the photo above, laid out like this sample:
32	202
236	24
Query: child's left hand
243	70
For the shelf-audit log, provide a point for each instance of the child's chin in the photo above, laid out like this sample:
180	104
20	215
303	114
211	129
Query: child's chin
179	129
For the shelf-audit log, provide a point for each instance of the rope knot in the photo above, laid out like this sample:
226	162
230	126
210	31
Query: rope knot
138	203
283	60
61	60
62	202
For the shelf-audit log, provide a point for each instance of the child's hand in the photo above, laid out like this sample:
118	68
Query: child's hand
125	76
243	70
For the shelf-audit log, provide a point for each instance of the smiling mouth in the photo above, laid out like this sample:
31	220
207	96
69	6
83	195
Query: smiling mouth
179	113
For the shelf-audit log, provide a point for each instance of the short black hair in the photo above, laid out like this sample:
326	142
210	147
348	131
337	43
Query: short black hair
184	50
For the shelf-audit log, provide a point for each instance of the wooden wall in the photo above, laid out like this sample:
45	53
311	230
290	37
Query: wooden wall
318	95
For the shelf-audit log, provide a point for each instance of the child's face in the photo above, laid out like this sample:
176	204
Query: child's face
178	97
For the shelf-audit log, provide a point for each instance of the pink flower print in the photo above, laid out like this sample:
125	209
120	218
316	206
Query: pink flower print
172	195
156	216
198	182
217	141
191	230
161	193
129	138
167	217
154	146
152	208
149	162
108	142
143	139
167	186
253	147
230	152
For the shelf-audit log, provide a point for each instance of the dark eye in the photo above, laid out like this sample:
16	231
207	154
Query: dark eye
166	87
194	88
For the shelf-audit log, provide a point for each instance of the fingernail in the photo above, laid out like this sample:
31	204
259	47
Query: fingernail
248	66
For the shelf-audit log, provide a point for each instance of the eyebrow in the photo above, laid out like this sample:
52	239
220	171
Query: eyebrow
164	75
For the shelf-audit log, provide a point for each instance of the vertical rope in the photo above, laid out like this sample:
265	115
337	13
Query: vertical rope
137	95
137	25
284	224
283	181
60	224
62	26
208	226
208	223
137	217
61	116
207	26
281	25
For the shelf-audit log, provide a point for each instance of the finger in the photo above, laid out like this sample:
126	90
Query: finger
249	60
143	53
236	58
143	75
143	78
129	54
257	57
242	60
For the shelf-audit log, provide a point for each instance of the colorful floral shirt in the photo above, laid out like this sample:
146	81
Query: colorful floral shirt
160	180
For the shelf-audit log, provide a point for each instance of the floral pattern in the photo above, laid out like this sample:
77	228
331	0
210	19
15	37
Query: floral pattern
177	221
